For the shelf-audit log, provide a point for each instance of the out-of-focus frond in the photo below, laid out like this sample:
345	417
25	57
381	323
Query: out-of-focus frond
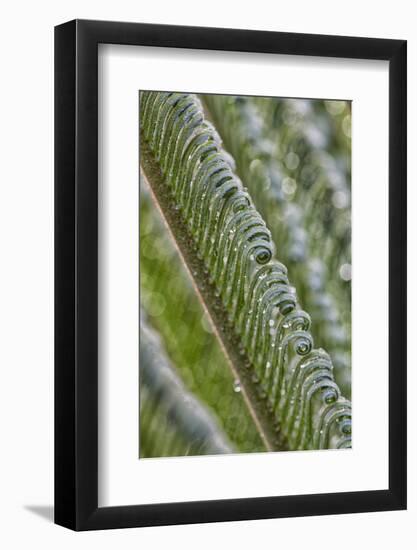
173	421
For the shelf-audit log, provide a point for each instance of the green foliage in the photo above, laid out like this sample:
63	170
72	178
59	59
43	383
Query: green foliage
293	380
282	152
175	423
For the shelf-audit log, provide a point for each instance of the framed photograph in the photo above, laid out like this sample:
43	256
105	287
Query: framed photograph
230	284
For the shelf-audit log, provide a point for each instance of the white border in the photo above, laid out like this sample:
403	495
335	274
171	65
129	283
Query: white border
123	479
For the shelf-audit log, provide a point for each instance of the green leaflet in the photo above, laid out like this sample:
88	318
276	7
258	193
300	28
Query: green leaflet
294	380
173	421
281	147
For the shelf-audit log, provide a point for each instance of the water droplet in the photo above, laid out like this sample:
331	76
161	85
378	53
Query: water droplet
346	427
263	256
303	347
330	396
236	386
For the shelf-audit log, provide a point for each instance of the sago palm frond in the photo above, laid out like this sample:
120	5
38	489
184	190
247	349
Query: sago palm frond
281	149
173	421
289	386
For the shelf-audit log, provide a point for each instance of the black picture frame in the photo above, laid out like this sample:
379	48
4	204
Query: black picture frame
76	272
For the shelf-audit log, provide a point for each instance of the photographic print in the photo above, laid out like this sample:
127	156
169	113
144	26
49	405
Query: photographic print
205	318
245	274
